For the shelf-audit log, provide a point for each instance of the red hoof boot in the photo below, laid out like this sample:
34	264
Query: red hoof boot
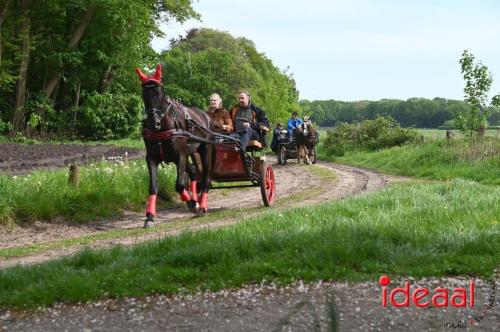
193	189
151	207
204	202
185	196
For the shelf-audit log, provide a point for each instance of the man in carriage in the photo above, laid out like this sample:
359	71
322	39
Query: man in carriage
293	123
250	122
276	137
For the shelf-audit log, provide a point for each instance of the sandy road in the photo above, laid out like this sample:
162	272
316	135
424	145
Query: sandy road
291	179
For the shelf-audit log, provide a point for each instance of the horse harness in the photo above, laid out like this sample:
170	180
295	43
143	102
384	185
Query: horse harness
179	132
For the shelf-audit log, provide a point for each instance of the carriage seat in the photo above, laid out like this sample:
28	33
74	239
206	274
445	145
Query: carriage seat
257	145
254	145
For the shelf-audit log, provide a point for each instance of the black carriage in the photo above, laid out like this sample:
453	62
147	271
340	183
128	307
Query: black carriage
287	149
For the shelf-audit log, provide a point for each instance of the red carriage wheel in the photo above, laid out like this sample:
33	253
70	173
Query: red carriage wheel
267	183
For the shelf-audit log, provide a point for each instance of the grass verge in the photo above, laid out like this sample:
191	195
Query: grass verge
437	159
105	190
408	229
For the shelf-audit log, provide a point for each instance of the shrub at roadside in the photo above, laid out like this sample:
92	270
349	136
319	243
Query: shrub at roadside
109	116
383	132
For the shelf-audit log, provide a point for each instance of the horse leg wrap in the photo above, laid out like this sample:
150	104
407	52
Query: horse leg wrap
185	196
151	207
194	193
204	201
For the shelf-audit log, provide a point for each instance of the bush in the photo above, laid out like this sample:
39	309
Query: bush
448	125
109	116
5	127
383	132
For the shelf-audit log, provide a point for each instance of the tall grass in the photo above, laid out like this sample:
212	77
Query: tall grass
477	160
418	230
105	190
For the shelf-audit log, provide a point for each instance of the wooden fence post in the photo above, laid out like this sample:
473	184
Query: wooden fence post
74	175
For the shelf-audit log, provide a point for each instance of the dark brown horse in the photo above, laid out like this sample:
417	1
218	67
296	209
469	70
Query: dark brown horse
307	139
171	133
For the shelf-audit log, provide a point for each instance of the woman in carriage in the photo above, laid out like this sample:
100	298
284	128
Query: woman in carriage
221	119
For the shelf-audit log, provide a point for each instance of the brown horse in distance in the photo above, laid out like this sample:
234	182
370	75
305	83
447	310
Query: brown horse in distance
306	139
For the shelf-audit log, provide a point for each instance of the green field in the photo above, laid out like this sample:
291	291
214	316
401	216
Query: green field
434	133
438	133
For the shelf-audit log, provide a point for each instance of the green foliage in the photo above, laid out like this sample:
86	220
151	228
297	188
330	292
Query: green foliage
109	116
478	81
383	132
117	39
208	61
448	124
408	230
5	127
417	112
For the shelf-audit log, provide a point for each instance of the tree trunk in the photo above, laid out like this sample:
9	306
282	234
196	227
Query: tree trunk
481	131
77	35
3	13
77	102
77	96
107	77
24	31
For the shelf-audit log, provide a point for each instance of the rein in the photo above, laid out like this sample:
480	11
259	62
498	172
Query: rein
165	135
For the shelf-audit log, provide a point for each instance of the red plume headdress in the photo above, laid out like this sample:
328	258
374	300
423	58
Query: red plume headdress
156	77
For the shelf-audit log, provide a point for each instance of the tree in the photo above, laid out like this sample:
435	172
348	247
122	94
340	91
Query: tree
478	81
55	56
207	61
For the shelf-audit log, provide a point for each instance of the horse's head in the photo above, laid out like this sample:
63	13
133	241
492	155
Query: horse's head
153	96
302	129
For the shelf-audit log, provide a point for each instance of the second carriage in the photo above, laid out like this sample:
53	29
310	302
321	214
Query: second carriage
287	149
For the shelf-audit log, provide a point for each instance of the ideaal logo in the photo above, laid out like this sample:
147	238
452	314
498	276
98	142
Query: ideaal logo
423	297
440	297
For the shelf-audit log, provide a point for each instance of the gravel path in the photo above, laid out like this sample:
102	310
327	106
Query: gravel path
299	307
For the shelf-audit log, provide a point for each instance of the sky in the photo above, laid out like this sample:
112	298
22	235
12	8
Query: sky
359	49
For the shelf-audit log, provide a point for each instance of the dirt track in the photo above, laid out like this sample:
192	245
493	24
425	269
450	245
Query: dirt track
291	179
